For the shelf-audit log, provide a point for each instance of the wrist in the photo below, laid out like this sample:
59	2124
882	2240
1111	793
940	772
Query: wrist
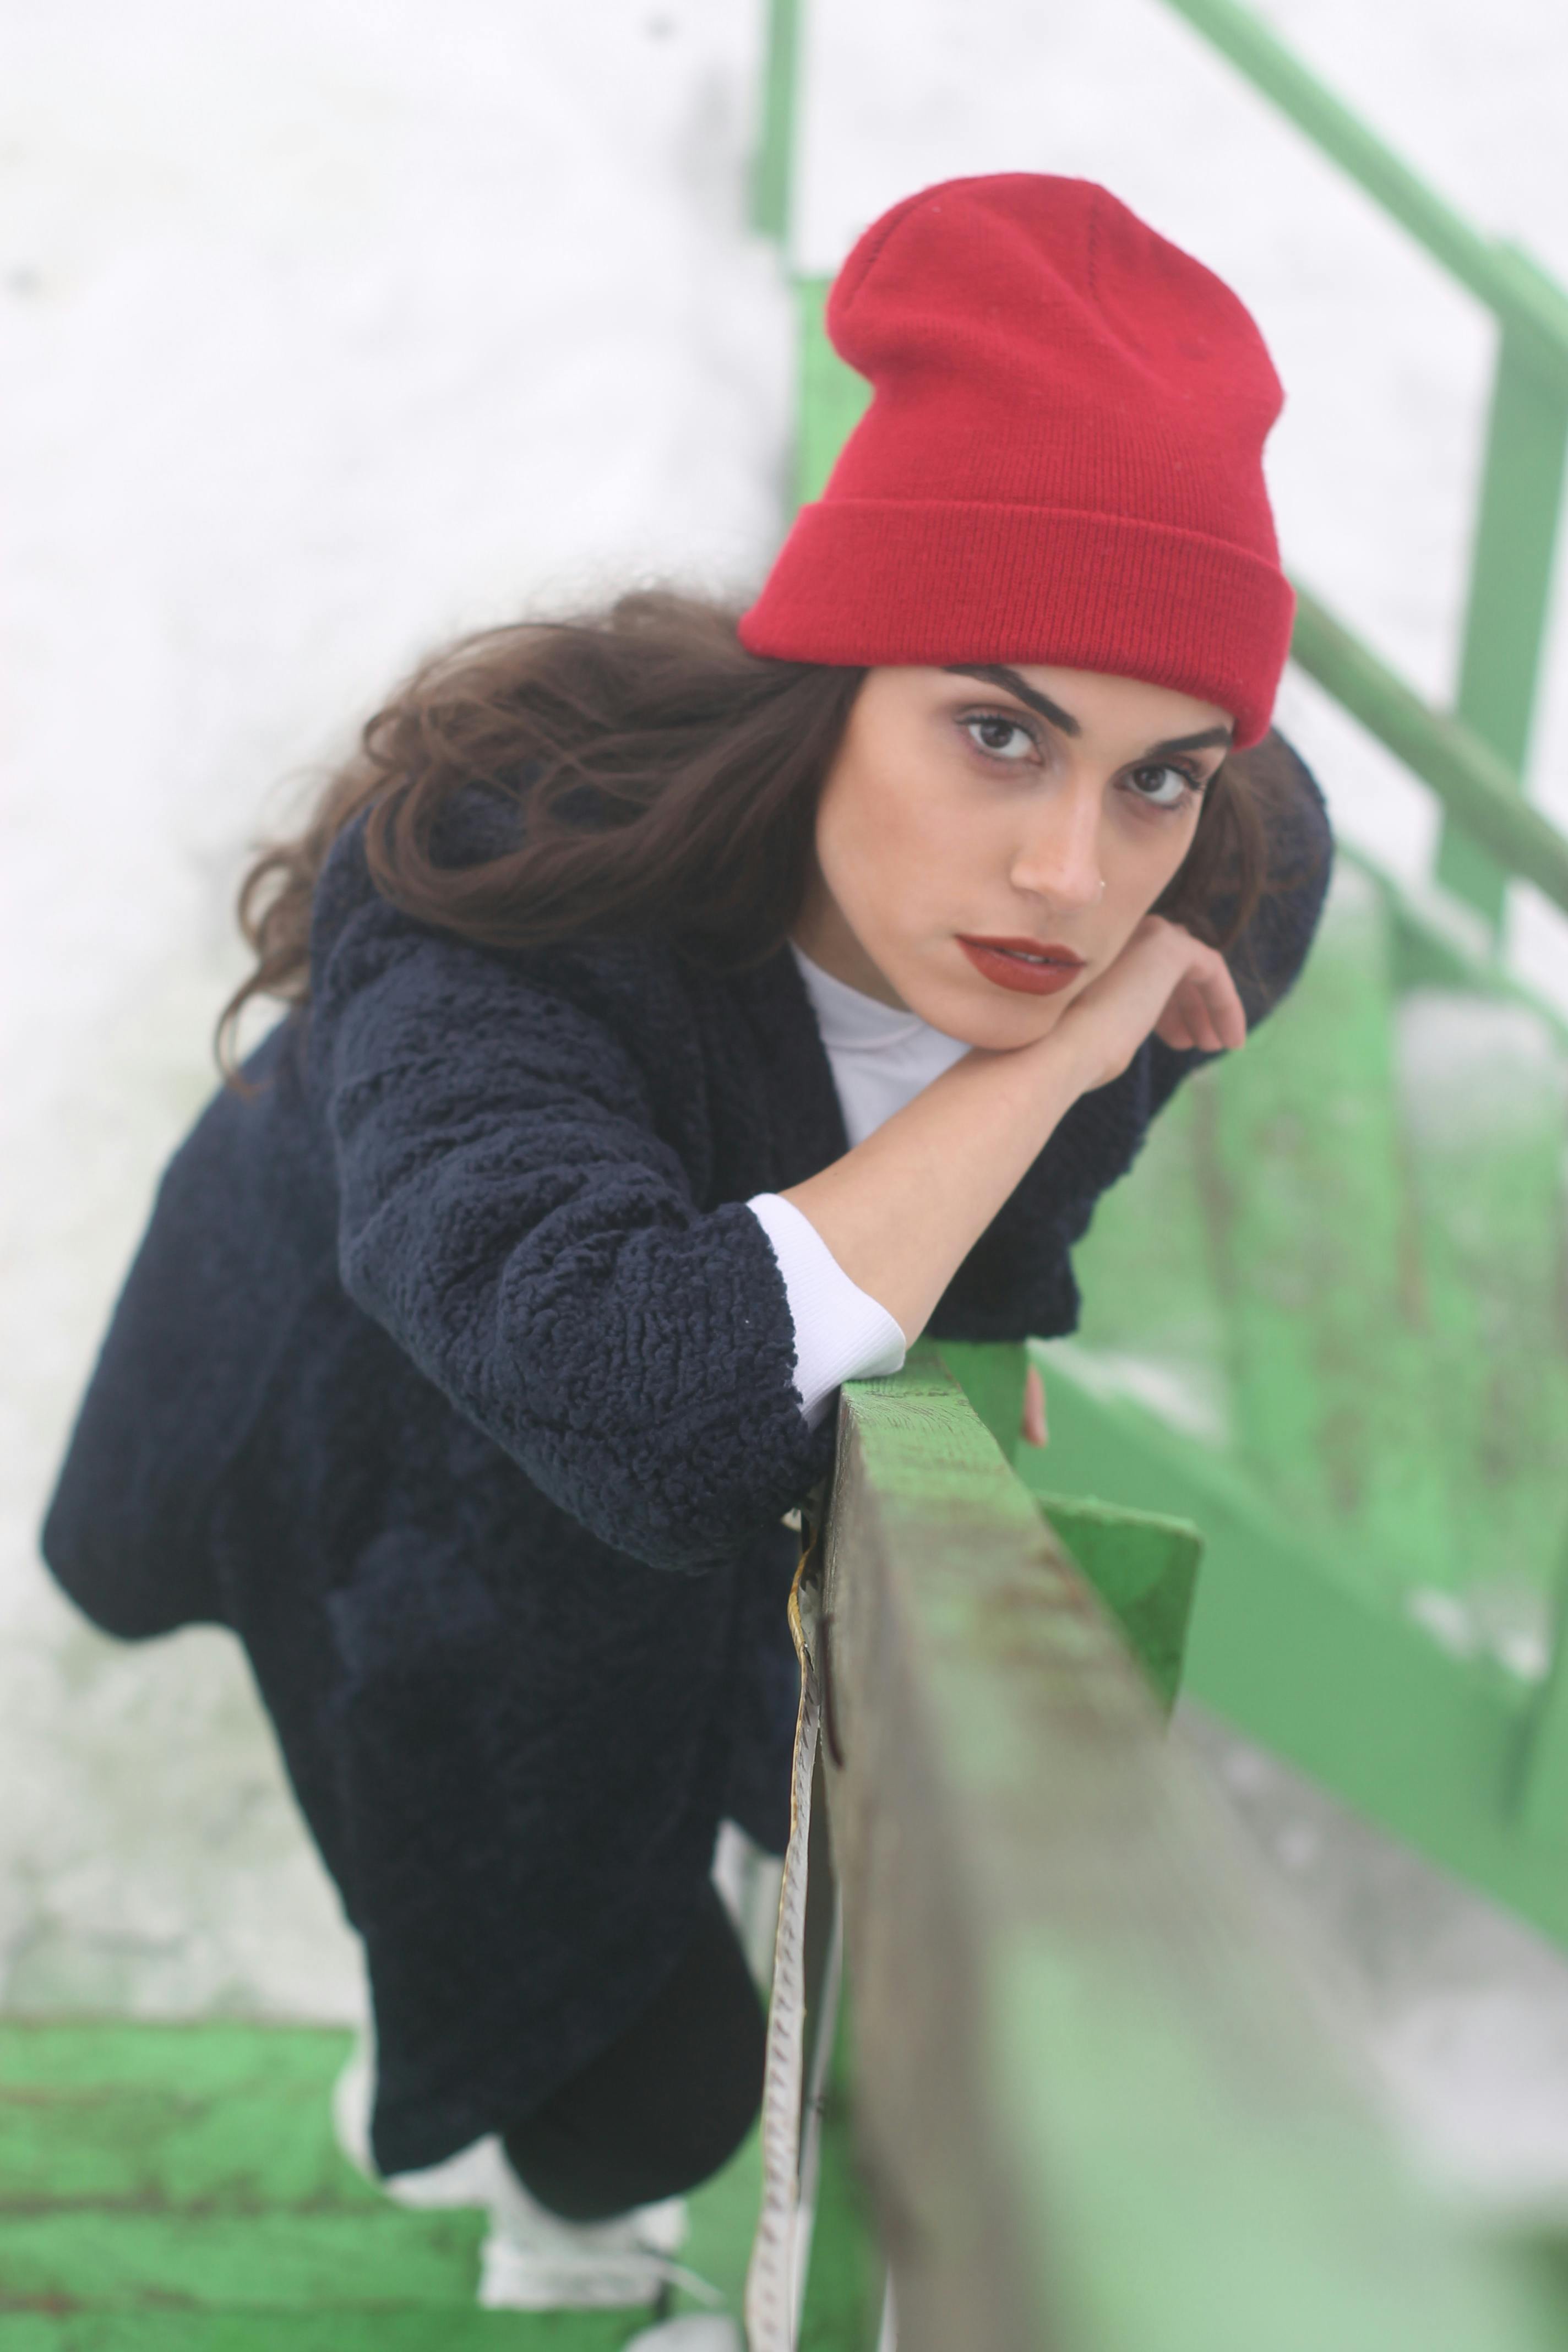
1065	1065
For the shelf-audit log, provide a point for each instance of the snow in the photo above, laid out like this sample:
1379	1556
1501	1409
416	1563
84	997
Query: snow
1457	2009
331	329
1189	1396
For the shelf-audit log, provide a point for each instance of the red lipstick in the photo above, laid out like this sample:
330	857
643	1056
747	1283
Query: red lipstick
1031	967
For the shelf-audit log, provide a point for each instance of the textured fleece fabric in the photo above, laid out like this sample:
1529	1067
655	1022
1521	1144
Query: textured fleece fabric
454	1374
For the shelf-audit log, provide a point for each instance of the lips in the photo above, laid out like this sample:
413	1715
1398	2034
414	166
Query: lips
1029	967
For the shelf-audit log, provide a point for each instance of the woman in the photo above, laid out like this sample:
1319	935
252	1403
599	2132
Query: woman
684	1016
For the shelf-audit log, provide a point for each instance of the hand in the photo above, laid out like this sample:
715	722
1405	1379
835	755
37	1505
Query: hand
1164	981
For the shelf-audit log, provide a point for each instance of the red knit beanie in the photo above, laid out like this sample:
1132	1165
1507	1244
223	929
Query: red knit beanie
1062	460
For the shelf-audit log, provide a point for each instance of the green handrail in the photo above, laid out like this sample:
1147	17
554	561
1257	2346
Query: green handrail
1506	279
1478	790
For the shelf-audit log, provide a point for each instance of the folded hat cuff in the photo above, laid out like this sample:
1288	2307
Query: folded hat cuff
884	582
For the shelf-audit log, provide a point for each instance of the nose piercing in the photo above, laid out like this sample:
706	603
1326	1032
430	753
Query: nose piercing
1101	892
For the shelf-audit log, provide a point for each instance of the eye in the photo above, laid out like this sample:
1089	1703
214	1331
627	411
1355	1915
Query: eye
999	736
1165	787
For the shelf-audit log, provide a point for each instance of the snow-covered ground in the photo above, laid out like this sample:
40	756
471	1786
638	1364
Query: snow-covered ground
330	329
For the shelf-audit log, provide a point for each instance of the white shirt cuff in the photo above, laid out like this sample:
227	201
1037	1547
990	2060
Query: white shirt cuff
840	1332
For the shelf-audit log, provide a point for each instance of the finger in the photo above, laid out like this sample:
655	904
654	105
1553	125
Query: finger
1222	1005
1172	1027
1207	1006
1188	1014
1032	1428
1201	1021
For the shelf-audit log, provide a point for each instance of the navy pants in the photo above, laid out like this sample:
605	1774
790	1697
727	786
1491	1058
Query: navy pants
667	2102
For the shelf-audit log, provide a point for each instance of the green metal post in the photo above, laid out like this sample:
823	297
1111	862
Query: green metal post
772	171
1511	586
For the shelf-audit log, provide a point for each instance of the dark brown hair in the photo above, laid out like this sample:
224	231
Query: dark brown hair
663	780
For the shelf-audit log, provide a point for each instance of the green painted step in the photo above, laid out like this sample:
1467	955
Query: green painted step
219	2059
146	2117
179	2186
331	2331
98	2257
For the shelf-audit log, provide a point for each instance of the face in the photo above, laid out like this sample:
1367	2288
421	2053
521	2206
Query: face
988	839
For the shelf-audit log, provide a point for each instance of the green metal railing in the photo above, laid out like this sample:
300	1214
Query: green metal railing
1093	2102
1487	818
1473	757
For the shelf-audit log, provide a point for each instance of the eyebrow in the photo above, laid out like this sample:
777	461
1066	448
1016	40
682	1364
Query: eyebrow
1009	680
1208	739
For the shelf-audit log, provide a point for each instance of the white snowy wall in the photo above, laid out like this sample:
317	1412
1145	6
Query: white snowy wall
330	329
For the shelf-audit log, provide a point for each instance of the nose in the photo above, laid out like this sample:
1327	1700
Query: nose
1059	859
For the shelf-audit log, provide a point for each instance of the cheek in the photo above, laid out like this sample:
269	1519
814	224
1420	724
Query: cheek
881	843
1147	857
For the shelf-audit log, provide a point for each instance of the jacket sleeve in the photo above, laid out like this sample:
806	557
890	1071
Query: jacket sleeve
510	1216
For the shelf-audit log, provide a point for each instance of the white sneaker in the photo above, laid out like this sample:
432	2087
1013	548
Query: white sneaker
534	2261
531	2260
351	2095
472	2177
698	2331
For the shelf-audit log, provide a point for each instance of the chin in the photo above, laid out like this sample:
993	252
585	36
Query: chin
1004	1031
996	1025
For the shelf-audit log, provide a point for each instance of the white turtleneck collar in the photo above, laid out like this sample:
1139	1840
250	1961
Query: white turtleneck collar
880	1056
